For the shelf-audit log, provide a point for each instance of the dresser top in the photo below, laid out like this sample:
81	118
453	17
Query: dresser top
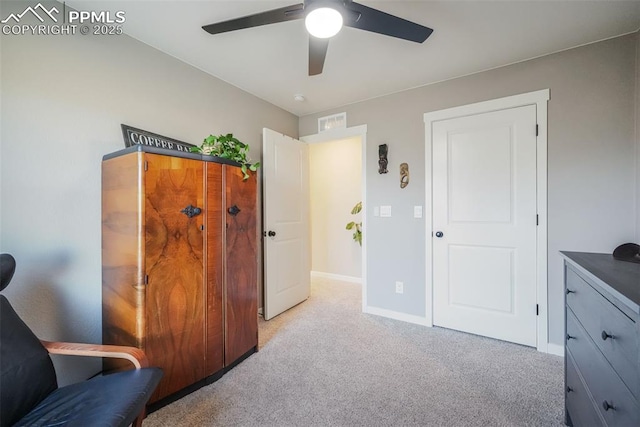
620	278
167	152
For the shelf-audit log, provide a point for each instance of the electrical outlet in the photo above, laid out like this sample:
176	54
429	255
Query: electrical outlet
399	287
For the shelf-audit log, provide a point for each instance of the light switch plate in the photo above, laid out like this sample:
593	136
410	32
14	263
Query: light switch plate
385	211
417	211
399	287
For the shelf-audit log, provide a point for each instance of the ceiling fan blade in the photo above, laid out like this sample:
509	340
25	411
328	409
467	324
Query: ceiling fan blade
376	21
317	53
283	14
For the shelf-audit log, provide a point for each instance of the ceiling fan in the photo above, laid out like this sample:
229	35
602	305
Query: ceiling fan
323	20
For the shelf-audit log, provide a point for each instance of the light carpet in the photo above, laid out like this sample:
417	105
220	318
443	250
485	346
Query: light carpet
325	363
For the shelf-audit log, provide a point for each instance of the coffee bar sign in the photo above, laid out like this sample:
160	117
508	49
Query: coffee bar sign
133	136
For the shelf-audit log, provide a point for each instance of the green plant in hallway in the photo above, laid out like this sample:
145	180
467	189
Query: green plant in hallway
228	147
356	226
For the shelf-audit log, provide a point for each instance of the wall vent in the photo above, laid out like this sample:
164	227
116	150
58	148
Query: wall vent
337	121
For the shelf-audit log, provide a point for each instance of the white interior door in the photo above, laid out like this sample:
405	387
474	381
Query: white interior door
484	224
287	255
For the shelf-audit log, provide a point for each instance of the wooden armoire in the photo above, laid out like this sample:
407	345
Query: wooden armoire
179	263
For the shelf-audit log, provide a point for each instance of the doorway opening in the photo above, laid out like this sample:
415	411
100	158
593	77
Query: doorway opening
335	181
359	134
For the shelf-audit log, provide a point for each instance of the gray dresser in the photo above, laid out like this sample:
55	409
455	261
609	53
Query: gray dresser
602	361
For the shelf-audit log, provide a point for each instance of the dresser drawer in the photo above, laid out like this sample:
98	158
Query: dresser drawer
601	380
578	402
599	317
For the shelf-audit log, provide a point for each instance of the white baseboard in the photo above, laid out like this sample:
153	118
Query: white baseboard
409	318
339	277
555	349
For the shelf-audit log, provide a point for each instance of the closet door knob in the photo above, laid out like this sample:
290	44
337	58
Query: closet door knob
569	291
439	234
233	210
569	337
606	405
271	233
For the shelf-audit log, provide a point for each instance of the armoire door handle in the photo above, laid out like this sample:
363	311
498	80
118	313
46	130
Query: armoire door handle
191	211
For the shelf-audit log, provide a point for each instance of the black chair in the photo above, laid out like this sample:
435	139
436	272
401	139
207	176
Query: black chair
29	393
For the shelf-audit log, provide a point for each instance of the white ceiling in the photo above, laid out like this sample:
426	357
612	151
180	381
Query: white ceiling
271	61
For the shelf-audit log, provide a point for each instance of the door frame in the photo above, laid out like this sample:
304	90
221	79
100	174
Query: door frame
350	132
539	99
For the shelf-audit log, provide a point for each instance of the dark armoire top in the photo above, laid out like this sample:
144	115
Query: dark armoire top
620	278
167	152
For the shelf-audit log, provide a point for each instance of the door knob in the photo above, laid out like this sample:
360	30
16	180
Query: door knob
271	233
439	234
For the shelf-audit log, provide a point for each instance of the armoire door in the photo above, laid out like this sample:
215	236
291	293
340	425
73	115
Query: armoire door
241	317
175	303
214	280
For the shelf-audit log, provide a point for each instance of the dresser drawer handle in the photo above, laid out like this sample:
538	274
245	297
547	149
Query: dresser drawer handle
606	405
605	335
569	337
569	291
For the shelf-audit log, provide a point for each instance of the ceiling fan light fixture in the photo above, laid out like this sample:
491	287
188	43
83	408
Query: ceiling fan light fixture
323	22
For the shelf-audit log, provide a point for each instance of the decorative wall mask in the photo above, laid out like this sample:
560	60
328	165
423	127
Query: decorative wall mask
404	175
382	158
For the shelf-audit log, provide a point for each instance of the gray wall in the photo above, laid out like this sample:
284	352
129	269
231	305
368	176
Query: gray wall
591	166
63	99
637	240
